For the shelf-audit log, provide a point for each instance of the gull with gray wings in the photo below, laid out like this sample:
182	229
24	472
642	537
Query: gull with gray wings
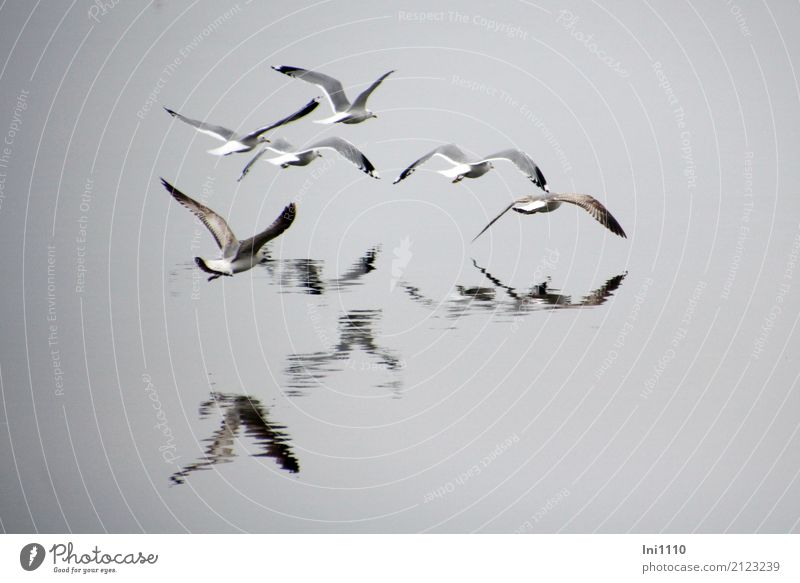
237	256
343	110
464	168
235	143
550	201
291	156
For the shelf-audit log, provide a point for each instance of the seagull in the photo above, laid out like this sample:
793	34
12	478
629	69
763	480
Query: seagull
548	202
234	143
291	156
344	111
463	168
237	256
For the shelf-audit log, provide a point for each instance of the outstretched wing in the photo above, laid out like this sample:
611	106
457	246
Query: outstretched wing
361	100
278	145
252	161
347	151
252	245
304	111
219	132
494	220
524	162
449	152
332	87
595	208
216	224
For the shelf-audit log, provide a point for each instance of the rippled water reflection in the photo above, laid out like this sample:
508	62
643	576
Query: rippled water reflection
243	420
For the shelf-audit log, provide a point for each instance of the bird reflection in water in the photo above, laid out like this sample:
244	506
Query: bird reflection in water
305	275
356	330
504	298
540	295
242	416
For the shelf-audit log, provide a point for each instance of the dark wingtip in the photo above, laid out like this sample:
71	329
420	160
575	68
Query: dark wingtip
289	212
542	181
403	175
285	69
167	185
616	228
486	228
169	111
368	167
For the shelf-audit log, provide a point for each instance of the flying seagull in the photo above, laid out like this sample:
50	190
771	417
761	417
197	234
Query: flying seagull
463	168
291	156
548	202
344	111
234	142
237	256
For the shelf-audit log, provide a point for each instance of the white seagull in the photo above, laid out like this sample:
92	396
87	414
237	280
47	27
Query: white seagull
463	168
548	202
291	156
237	256
344	111
234	142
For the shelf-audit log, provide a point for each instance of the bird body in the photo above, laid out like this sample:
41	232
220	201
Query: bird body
536	204
234	147
344	117
294	159
460	171
288	155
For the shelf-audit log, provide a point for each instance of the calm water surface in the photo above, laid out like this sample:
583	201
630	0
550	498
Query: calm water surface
379	372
